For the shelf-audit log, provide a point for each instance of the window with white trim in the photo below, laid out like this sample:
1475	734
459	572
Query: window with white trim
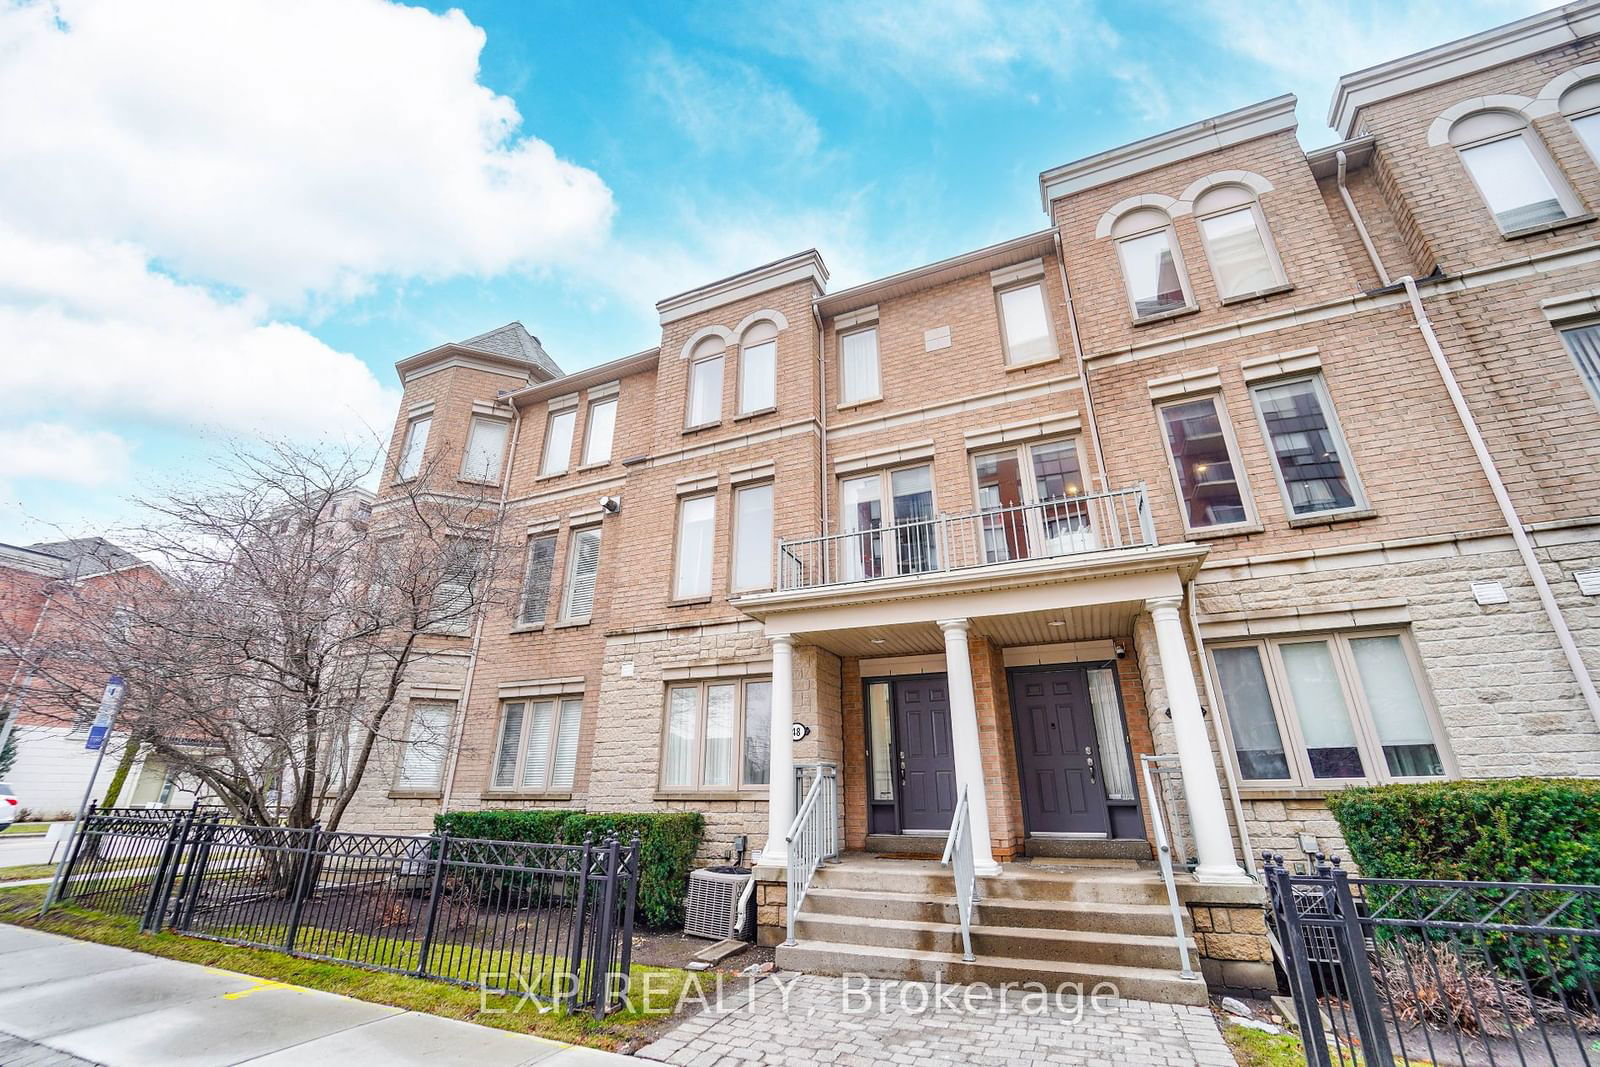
1204	462
583	569
858	366
704	406
717	734
536	575
1237	242
1583	342
599	431
558	442
1515	176
1025	324
1032	500
415	445
752	537
1152	265
1311	709
537	747
455	594
486	448
1309	454
427	741
758	368
697	529
905	496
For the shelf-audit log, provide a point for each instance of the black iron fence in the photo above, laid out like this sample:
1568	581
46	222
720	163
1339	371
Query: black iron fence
550	922
1416	971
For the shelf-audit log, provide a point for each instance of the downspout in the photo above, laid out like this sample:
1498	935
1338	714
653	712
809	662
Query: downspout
1216	726
477	630
1083	372
1508	510
1355	217
822	415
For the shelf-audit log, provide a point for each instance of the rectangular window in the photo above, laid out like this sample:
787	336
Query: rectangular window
861	519
597	435
427	741
717	734
486	447
537	750
1308	451
536	580
1584	344
1155	283
1239	257
758	377
583	567
1309	709
705	391
411	451
697	527
880	740
858	366
558	442
1108	728
1032	502
1204	463
1025	325
454	597
1588	130
912	547
752	537
1514	184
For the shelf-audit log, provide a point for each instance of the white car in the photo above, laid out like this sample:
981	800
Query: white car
8	807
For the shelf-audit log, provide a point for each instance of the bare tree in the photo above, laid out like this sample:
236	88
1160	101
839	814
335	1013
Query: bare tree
267	656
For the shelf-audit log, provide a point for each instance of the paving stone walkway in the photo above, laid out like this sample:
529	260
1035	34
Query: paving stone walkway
808	1019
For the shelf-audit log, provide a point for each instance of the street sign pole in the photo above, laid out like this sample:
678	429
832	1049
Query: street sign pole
104	719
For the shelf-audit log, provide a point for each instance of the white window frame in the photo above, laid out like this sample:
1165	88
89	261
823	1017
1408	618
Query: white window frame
458	623
1319	384
523	621
678	595
409	464
888	550
1592	383
734	584
550	786
589	459
547	457
739	387
569	585
1029	475
1177	261
1362	723
720	358
1049	322
697	769
1263	231
1541	159
401	784
1232	444
845	400
492	476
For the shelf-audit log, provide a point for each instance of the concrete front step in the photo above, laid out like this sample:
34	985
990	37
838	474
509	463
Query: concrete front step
988	940
1153	919
1103	885
1134	983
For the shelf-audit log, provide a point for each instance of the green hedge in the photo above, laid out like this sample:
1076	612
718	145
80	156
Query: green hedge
1504	830
668	842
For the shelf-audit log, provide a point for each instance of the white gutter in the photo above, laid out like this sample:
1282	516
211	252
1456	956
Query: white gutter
477	630
1508	510
1355	217
1083	370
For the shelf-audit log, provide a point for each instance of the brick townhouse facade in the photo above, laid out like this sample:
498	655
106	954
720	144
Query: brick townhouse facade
1281	463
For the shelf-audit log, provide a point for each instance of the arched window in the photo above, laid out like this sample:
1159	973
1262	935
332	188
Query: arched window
704	407
1238	244
1513	172
1581	105
1152	266
758	367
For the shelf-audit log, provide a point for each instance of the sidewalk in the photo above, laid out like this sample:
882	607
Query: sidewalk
69	1003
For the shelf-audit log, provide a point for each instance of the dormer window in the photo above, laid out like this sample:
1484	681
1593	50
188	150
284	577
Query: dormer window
1152	266
1514	173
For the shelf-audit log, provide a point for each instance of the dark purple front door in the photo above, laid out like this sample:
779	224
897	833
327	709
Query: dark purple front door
1059	753
927	763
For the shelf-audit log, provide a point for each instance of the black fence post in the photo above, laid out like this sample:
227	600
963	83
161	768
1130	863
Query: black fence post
194	878
1287	913
434	893
160	882
630	901
71	859
580	922
1358	972
301	889
600	958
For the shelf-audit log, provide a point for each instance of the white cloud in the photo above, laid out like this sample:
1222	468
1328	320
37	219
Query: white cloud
282	147
56	451
726	106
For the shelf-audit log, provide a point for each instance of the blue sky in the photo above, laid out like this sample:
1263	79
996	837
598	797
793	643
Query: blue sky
225	220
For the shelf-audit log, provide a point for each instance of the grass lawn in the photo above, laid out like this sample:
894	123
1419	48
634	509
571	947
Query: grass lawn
1252	1048
45	870
629	1027
26	829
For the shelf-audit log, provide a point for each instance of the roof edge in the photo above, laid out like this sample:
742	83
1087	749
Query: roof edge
604	372
780	272
940	271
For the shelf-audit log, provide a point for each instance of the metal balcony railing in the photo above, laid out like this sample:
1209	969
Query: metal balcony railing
1092	522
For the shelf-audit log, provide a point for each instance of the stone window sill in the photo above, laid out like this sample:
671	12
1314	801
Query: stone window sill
552	474
702	427
519	794
689	602
1259	294
1211	533
1165	316
1295	792
1547	227
414	794
585	468
697	795
756	414
1300	522
572	623
860	403
530	629
1030	364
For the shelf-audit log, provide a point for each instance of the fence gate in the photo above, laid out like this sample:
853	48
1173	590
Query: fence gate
1416	971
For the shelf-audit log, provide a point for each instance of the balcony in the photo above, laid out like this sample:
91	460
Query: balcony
1078	525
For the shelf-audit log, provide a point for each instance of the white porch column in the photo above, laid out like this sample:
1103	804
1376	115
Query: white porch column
780	765
964	739
1208	818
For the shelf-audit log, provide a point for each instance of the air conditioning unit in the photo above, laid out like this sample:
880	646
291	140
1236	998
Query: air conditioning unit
712	909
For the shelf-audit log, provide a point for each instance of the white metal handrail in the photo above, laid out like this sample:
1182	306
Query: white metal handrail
958	857
1164	854
812	838
1089	522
